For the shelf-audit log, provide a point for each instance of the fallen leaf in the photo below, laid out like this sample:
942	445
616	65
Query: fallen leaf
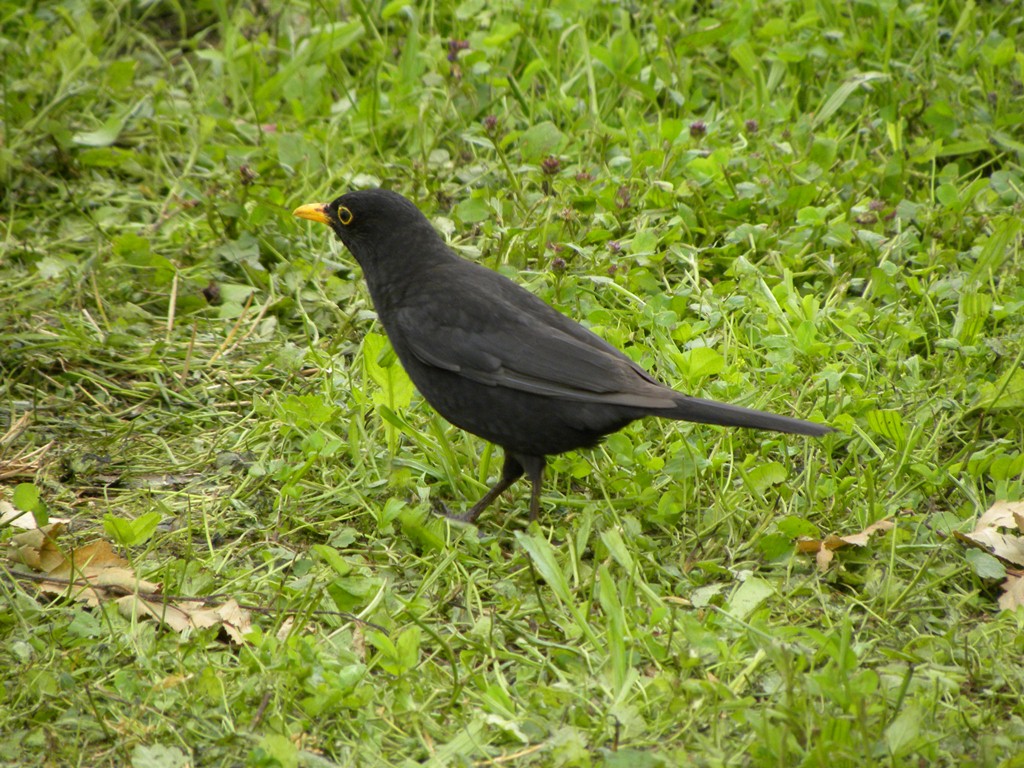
133	606
1003	514
824	558
988	532
89	560
1013	593
37	548
808	546
232	618
94	573
88	574
1007	548
861	539
824	549
286	628
171	681
998	532
18	518
237	621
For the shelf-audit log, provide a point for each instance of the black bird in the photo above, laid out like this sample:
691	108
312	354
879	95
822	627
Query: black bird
494	359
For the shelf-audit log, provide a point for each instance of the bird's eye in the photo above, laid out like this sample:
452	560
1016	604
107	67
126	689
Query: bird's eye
344	215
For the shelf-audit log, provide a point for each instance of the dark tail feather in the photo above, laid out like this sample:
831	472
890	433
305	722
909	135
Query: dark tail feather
724	415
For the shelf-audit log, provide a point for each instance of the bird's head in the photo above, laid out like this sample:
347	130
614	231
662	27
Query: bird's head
372	220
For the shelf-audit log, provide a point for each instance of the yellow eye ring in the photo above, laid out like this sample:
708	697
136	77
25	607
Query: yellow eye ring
344	215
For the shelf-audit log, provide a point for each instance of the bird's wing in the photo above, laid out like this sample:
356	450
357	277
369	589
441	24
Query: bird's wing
510	338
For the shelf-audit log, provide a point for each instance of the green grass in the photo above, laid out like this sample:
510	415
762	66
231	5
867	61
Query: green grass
811	208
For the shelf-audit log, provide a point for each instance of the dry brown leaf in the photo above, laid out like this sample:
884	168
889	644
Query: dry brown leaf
1003	514
37	548
89	560
133	606
988	532
124	580
1010	549
88	574
237	621
11	515
286	629
205	617
998	532
833	542
17	518
359	642
808	546
232	618
63	587
171	681
82	591
861	539
1013	593
91	589
824	549
824	558
95	572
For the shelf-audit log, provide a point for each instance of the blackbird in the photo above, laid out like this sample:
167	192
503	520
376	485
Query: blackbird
494	359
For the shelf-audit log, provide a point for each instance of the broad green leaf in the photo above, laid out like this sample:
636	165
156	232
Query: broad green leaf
743	54
472	210
540	141
101	137
422	528
277	750
700	362
130	533
333	558
644	242
747	597
795	527
383	367
501	33
972	312
984	565
888	423
764	476
539	550
902	734
407	649
1008	392
608	596
26	496
394	8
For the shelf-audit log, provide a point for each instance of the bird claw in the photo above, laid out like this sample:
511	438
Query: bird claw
440	508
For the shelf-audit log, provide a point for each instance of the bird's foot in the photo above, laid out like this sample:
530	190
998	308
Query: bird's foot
440	508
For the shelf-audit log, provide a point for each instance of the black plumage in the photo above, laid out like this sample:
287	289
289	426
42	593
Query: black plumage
494	359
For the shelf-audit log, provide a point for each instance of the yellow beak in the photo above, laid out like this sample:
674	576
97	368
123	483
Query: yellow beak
313	211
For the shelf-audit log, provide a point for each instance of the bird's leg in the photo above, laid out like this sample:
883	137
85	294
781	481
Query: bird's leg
534	467
510	472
